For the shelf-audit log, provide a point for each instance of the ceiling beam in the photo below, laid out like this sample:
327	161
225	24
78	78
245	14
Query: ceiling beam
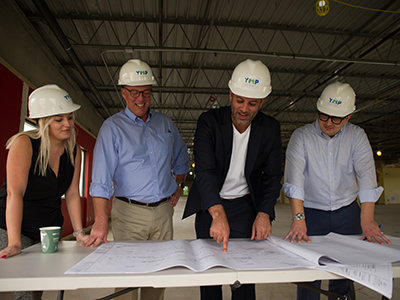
335	59
226	68
202	22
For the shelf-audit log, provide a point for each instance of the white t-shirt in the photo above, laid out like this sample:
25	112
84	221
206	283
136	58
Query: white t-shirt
235	184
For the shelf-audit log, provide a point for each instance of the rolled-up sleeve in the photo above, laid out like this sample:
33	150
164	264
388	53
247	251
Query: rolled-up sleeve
180	164
105	161
364	166
295	165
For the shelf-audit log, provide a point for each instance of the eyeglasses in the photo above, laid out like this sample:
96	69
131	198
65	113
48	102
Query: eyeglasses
335	120
136	93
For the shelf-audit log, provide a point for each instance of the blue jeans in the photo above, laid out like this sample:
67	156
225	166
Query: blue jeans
346	221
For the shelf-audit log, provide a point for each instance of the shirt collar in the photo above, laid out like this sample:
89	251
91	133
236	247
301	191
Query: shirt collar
320	133
135	118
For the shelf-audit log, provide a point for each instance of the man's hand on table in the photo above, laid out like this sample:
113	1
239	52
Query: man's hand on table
299	231
219	229
371	232
98	233
261	227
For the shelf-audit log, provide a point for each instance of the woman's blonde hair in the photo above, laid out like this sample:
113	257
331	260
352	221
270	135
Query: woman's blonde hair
42	132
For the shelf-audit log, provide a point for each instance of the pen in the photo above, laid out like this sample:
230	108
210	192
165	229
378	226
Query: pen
366	238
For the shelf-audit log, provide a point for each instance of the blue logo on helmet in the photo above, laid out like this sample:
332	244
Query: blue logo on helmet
334	101
249	80
142	72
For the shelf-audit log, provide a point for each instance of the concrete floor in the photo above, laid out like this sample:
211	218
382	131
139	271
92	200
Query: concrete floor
387	215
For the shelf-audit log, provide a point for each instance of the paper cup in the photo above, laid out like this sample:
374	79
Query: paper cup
49	237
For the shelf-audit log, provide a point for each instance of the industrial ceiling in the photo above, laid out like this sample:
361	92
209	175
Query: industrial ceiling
194	45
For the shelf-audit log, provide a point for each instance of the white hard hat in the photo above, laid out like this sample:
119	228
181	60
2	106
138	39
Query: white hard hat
50	100
337	99
136	72
251	79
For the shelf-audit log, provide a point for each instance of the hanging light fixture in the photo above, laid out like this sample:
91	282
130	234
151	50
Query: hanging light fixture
322	7
379	153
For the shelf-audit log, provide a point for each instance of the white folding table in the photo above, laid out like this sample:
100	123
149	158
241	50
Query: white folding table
31	270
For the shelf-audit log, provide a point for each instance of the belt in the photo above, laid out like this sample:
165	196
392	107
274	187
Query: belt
237	199
154	204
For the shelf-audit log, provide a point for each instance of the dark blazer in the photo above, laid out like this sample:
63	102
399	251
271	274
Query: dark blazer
212	152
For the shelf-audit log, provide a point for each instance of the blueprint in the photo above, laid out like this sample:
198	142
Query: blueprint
363	262
197	255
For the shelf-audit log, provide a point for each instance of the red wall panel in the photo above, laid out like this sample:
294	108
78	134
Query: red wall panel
86	141
10	111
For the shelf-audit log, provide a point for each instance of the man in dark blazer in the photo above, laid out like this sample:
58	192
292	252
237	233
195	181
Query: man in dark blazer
238	164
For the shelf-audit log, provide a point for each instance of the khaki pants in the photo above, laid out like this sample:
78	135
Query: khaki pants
132	222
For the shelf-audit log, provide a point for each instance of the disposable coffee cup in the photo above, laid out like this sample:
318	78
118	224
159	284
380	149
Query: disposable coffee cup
49	237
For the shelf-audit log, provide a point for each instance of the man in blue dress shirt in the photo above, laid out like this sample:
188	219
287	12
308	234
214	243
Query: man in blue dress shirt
141	160
323	160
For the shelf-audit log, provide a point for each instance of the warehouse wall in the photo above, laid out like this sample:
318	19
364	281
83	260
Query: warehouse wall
389	178
23	52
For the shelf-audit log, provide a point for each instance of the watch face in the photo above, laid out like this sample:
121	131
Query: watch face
299	216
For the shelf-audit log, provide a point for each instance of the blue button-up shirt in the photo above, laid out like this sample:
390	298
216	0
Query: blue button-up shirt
137	159
322	171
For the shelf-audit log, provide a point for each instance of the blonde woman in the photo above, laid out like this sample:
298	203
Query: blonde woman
42	165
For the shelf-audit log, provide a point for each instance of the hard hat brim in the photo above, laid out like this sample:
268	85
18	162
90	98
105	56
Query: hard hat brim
72	108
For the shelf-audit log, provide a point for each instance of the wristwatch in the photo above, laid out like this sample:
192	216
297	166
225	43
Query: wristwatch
181	184
76	232
299	216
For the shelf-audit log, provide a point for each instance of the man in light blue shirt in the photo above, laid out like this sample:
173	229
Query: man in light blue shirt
329	163
141	160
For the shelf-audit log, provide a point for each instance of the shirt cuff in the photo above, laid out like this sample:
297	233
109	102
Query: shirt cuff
179	170
370	195
292	191
100	190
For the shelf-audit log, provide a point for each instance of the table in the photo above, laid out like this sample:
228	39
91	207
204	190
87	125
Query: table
31	270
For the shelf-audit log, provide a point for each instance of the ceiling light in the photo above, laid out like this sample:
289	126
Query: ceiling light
322	7
379	153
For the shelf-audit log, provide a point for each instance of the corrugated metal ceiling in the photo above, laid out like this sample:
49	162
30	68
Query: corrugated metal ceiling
193	47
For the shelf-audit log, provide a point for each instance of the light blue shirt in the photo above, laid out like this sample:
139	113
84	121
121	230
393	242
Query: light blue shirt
322	171
136	159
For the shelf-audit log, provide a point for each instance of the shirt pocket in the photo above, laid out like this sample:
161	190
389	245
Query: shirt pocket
164	143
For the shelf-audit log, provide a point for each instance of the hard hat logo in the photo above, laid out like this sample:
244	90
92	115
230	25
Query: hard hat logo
251	81
334	101
68	97
142	72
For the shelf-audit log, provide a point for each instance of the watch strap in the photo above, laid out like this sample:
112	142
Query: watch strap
181	184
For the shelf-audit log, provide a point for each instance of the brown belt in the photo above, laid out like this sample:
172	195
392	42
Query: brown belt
154	204
237	199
